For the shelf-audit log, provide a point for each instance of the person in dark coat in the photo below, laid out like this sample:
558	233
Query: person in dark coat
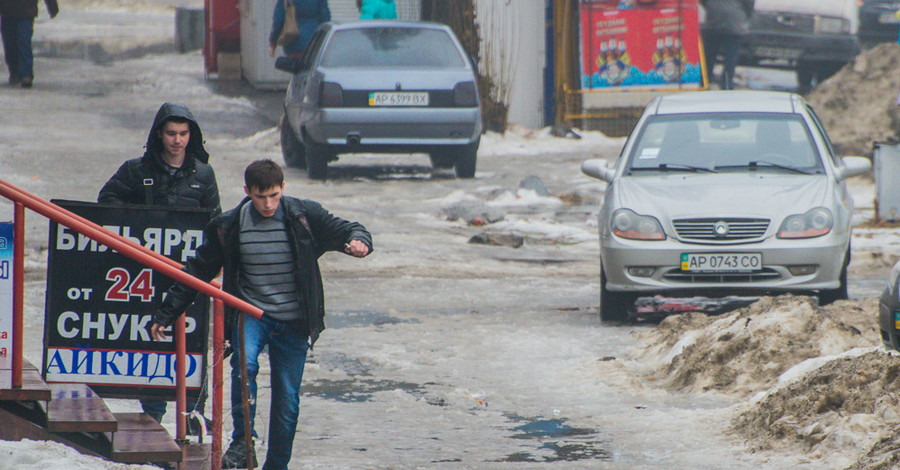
309	14
268	249
726	24
174	171
17	28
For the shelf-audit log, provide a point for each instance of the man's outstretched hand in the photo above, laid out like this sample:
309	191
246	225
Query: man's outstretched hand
356	248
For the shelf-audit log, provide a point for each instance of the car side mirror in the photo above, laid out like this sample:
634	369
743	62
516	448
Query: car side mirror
853	166
287	64
598	168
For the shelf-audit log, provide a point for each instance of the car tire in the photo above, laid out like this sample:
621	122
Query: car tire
441	159
291	149
613	305
833	295
465	160
317	157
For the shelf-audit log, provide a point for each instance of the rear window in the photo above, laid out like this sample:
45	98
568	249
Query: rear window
392	47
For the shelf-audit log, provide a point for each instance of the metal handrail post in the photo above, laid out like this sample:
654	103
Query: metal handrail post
180	385
18	334
218	381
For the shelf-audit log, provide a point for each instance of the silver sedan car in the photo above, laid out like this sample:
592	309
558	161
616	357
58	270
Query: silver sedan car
382	86
724	193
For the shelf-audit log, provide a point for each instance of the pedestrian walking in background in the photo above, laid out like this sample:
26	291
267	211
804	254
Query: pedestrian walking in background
17	28
726	24
268	249
377	9
174	171
309	14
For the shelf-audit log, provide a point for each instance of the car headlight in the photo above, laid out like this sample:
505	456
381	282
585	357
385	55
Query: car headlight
814	223
626	224
824	25
893	278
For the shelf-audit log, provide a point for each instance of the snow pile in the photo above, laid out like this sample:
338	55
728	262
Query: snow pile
812	378
745	351
865	89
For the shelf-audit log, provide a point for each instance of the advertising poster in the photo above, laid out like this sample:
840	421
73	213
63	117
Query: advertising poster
640	44
100	304
6	288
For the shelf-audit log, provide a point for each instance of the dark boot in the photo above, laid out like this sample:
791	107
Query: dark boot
236	455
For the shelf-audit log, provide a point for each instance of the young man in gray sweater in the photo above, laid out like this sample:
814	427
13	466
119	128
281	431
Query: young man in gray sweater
268	248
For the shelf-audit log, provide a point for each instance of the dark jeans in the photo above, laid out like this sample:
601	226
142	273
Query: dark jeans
287	356
729	47
17	33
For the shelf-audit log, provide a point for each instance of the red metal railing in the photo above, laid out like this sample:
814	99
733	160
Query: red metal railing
166	266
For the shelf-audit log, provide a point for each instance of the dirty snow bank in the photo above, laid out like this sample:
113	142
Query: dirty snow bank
807	378
865	89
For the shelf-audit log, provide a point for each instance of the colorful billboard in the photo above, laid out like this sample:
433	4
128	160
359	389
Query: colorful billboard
640	44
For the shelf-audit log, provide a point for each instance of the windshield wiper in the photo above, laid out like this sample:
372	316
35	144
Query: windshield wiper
760	163
674	166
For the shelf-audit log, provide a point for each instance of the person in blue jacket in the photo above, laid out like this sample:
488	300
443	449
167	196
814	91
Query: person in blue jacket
309	13
377	9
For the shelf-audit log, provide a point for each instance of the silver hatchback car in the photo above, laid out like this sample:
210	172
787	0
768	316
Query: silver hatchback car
724	193
386	87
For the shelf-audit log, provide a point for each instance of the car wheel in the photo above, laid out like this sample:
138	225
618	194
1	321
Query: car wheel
291	148
830	296
465	160
613	305
441	159
317	157
805	72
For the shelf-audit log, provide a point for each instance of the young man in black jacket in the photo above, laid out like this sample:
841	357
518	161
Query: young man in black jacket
268	249
174	171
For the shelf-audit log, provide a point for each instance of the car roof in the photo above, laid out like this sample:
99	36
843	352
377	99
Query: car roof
726	101
357	24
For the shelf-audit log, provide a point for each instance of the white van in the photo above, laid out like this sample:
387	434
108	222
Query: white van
814	37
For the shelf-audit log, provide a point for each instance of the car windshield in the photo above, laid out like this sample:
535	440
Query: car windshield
392	47
725	142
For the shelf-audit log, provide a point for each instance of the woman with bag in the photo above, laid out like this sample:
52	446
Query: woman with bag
293	32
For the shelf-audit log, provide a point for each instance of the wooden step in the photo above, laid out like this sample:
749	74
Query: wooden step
33	386
141	439
77	408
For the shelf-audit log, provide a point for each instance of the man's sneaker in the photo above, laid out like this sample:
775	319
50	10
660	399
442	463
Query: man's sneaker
236	455
26	82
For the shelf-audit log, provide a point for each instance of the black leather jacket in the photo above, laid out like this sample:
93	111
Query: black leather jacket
146	180
312	231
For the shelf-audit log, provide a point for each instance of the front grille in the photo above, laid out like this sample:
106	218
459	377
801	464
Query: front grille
782	22
704	229
681	277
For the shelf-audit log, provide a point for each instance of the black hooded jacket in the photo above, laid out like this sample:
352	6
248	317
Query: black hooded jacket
312	231
146	180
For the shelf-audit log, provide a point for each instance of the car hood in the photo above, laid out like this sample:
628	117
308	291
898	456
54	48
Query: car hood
762	195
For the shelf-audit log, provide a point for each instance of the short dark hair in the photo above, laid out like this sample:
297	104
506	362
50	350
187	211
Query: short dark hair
263	174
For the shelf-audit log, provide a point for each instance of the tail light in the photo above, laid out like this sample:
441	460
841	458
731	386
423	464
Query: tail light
331	95
465	95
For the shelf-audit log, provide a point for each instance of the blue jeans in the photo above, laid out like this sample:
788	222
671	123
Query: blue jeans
287	356
17	33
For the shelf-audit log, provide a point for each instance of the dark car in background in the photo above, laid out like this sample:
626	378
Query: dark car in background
878	21
383	87
813	37
889	311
